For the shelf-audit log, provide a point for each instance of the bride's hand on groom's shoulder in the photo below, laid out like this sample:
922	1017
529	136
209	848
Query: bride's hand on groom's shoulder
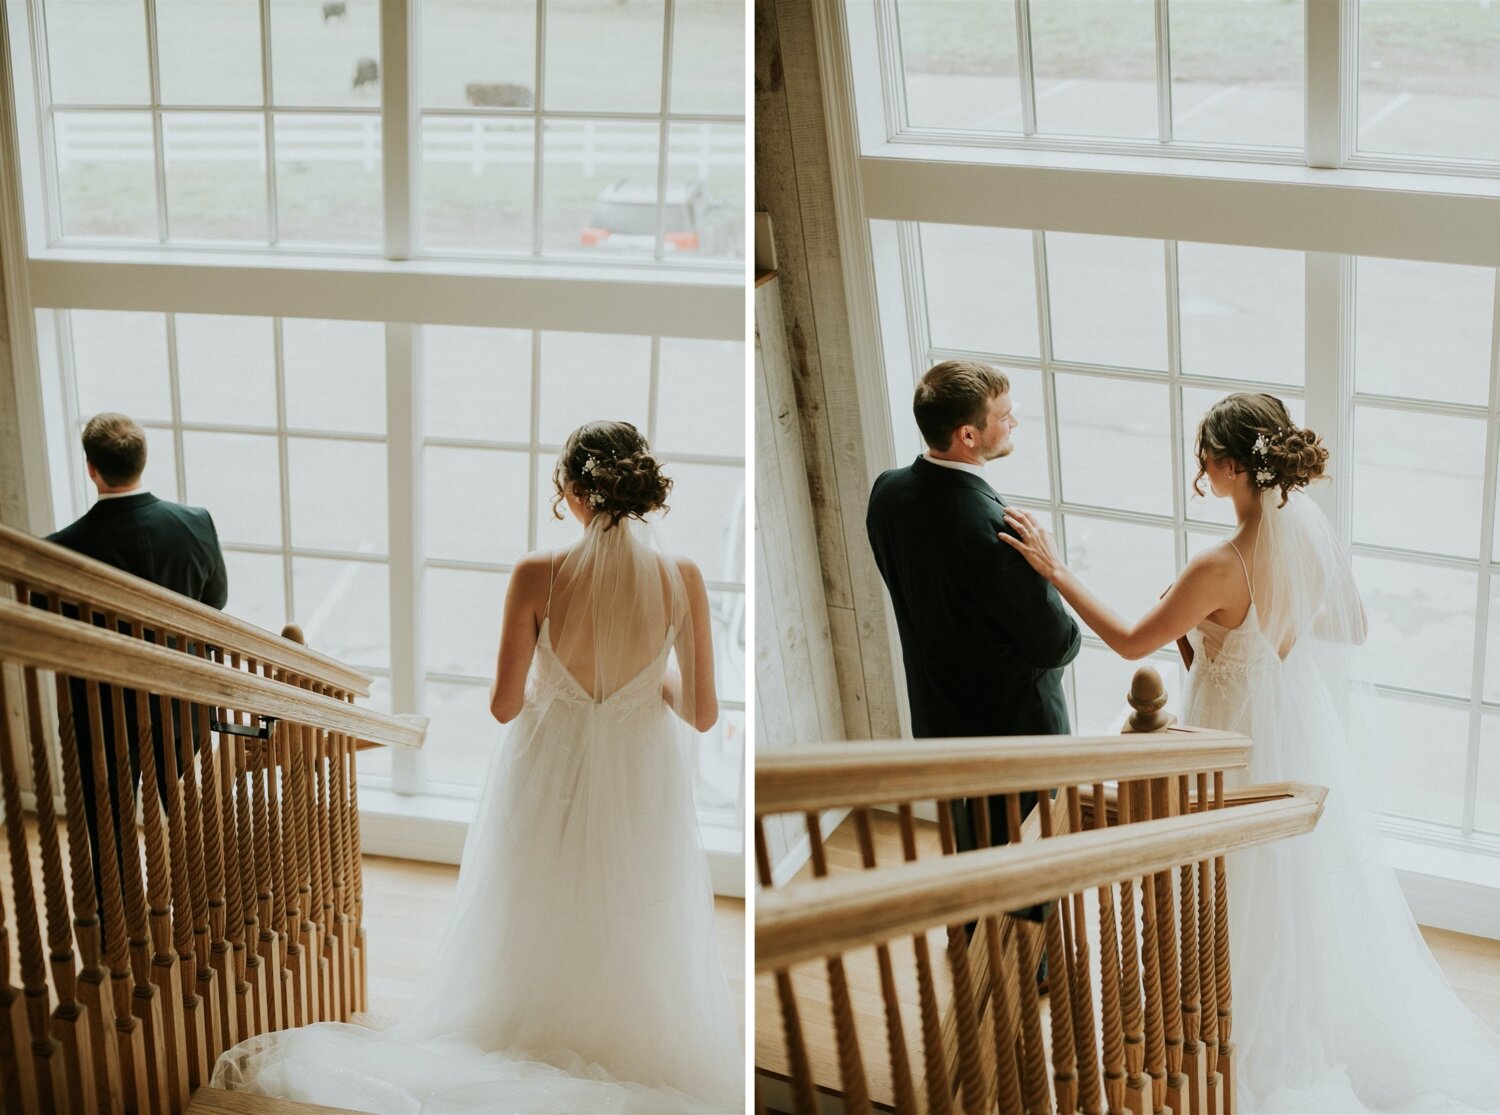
1033	542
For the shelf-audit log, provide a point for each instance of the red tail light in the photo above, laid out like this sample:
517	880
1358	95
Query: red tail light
683	241
592	236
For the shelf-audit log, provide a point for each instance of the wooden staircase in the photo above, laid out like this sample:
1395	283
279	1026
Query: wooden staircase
234	905
891	976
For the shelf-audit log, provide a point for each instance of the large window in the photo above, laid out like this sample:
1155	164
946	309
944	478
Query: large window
1105	200
359	268
586	128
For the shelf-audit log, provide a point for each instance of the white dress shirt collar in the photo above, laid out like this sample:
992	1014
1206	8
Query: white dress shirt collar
122	495
962	466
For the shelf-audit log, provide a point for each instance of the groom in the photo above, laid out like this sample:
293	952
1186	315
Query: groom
984	637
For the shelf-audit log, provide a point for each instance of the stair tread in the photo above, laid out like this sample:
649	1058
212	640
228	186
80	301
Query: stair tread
216	1101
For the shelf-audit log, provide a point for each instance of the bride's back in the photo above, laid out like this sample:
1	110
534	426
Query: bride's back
614	604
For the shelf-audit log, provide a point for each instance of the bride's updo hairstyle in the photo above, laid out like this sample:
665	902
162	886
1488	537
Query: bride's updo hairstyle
1256	433
611	468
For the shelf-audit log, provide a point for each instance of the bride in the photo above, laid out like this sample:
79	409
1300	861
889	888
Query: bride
578	971
1339	1005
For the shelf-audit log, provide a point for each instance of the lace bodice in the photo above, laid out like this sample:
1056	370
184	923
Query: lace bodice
1230	657
552	681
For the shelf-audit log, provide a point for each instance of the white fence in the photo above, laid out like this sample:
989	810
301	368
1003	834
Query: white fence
473	141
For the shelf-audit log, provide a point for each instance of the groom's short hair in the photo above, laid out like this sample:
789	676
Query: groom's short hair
115	445
952	394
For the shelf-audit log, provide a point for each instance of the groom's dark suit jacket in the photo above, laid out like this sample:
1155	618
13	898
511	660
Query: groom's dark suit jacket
984	636
170	545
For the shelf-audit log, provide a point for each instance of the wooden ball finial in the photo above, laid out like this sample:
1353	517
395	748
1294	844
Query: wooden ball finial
293	632
1148	696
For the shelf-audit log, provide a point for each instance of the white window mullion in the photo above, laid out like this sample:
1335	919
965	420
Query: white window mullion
273	224
283	465
1486	572
1174	409
664	131
178	457
403	417
1025	66
533	450
153	63
1328	310
1163	73
400	127
1323	123
539	140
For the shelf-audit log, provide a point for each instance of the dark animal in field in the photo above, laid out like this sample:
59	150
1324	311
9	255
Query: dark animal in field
335	8
498	94
366	72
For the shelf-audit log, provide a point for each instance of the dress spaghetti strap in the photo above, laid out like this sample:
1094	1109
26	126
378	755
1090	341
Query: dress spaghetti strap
551	577
1243	568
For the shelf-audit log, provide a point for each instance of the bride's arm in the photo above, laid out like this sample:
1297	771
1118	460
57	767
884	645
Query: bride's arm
518	632
1190	599
695	657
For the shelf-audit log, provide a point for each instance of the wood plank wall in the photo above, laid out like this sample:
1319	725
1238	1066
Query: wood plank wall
797	698
793	183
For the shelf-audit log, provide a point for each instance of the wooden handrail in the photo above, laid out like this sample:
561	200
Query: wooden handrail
33	637
811	920
46	567
829	776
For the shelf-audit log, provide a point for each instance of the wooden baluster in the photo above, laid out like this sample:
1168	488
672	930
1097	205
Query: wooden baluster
1209	1009
1033	1056
129	1035
305	967
1064	1053
333	1009
1003	998
1192	1058
208	874
939	1089
252	863
192	941
965	1002
143	1003
69	1025
18	1082
177	976
901	1082
239	866
225	921
803	1093
1090	1093
356	879
321	981
266	941
1130	981
1156	1047
1110	995
276	826
342	898
1221	966
34	1043
165	986
93	995
1166	955
851	1064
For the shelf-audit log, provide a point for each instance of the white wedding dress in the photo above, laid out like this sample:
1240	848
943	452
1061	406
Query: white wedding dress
1338	1004
578	971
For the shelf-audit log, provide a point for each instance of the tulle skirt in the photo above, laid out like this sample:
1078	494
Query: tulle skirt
1338	1004
578	971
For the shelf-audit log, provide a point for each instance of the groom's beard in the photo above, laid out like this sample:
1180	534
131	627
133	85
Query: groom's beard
1004	451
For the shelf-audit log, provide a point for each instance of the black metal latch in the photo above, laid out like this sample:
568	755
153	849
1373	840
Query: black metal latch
249	730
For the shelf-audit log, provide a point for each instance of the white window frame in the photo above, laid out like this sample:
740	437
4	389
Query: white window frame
698	300
1329	205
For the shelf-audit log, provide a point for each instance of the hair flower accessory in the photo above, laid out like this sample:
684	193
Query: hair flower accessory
1264	476
1259	448
596	498
590	465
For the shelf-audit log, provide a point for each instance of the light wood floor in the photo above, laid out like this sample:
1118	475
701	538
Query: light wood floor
1472	965
406	906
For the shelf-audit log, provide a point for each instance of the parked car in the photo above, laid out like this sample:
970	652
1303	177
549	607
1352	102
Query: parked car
624	219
